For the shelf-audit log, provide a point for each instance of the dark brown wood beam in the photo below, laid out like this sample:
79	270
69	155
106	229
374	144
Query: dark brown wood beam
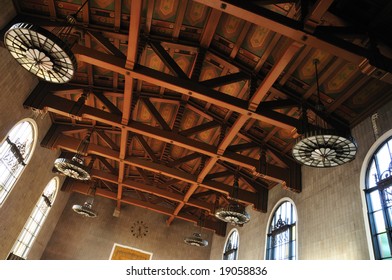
199	128
107	140
292	29
184	159
147	148
168	60
187	87
112	108
155	113
106	44
82	188
225	80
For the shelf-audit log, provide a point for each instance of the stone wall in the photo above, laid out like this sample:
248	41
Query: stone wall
80	238
331	222
16	84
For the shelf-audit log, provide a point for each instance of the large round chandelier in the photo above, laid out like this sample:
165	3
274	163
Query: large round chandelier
75	167
320	145
44	54
234	213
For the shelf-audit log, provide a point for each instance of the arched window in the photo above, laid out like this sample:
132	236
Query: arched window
378	194
15	152
231	247
281	236
37	217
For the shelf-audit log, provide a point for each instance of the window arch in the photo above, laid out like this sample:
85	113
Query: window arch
378	196
35	221
230	251
282	232
15	152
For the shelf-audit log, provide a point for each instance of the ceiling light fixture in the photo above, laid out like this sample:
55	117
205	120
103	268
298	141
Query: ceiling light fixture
196	239
43	53
234	213
86	209
320	145
75	167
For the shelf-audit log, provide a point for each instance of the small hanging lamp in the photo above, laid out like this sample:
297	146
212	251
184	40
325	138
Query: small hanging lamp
75	167
234	213
43	53
321	145
86	209
196	239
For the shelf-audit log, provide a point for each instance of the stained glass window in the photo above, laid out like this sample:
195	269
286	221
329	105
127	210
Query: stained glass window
37	217
379	200
231	246
281	237
15	152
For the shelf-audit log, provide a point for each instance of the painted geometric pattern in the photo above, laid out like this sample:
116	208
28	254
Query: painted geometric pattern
195	15
153	61
102	4
166	10
233	89
207	135
255	41
230	27
340	80
184	61
371	91
307	72
210	71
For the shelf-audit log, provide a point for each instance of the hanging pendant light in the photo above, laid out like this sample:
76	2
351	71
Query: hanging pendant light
196	239
75	167
86	209
43	53
321	145
234	213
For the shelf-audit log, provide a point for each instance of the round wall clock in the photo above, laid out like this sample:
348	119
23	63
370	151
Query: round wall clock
41	52
139	229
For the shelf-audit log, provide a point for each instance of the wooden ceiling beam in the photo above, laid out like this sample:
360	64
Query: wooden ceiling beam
180	18
155	113
117	15
187	87
107	140
210	27
147	148
292	29
71	144
107	165
184	159
52	9
151	189
82	188
199	128
109	105
313	18
167	60
106	44
273	75
225	80
62	106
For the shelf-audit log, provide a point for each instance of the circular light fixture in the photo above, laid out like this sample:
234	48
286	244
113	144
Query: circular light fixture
234	214
324	150
41	52
85	210
196	240
72	168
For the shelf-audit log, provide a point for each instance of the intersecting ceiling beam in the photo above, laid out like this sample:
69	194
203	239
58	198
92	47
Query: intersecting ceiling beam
70	144
187	87
293	29
82	188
